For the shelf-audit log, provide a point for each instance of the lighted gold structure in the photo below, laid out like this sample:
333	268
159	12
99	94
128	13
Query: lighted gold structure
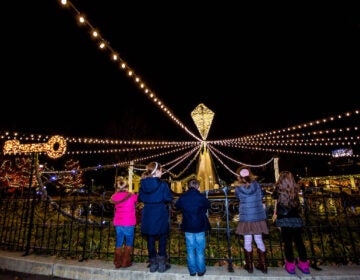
54	148
205	172
202	117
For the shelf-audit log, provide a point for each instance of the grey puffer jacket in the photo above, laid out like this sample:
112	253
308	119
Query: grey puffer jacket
250	207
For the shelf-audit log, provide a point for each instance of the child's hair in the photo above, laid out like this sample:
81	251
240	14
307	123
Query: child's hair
194	184
287	189
121	183
151	169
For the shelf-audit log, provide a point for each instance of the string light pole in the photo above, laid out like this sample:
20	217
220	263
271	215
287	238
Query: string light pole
276	168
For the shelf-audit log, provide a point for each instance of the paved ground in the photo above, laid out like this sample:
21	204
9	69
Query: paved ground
16	266
14	275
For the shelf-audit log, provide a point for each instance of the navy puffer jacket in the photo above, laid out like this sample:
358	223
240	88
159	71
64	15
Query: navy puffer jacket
155	194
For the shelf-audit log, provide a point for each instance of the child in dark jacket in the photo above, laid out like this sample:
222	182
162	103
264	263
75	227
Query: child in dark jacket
156	195
289	220
195	223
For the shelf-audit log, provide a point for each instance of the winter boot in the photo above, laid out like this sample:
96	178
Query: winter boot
118	257
304	266
290	267
163	264
249	261
154	266
126	260
261	265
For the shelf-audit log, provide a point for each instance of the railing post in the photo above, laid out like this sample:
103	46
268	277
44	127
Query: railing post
230	266
313	264
87	208
31	220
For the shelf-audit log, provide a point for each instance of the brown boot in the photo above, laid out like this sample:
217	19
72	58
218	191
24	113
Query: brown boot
249	261
117	257
126	260
261	265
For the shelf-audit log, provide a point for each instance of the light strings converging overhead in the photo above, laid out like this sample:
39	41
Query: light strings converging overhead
302	139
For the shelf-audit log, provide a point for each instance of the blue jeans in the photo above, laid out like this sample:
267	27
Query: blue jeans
126	232
195	247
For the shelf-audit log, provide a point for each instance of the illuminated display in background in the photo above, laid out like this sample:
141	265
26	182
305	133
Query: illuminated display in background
202	117
344	152
54	148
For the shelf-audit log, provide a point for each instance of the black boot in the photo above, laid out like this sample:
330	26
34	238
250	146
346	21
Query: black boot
154	266
163	264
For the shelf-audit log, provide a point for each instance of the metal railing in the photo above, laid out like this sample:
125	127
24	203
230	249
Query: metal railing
79	226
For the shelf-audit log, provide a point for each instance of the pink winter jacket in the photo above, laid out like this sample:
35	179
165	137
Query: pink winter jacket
124	211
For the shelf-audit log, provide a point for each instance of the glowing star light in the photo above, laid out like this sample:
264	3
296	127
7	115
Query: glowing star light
202	117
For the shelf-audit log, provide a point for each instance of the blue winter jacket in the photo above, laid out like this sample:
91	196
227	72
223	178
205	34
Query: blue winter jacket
250	207
193	206
155	194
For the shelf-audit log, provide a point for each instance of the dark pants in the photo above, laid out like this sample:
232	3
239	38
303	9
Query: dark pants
151	244
292	236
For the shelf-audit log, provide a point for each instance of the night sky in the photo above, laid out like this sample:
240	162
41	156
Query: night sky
259	67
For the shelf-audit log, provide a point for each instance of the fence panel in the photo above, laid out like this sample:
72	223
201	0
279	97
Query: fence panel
79	226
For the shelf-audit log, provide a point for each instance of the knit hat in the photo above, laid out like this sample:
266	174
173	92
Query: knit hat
244	172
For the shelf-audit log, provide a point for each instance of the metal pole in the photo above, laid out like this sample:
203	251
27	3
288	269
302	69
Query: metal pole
31	220
276	168
87	209
131	173
230	266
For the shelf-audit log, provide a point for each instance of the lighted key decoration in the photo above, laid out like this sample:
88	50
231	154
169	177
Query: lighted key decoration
54	148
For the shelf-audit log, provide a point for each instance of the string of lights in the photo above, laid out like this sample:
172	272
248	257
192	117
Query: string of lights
289	138
104	45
